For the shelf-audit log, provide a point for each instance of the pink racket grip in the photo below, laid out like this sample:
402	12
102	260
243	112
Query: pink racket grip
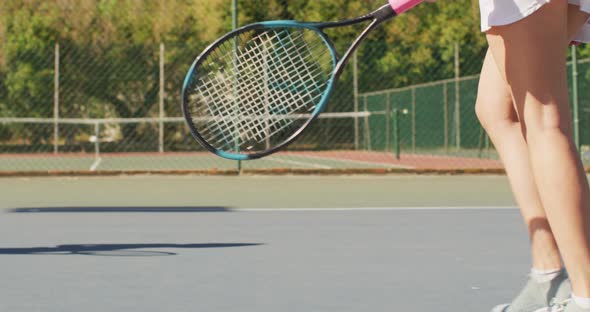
400	6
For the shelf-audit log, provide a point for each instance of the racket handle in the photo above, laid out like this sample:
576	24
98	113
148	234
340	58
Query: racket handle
400	6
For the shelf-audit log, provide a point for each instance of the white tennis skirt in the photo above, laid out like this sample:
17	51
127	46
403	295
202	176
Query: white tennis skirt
504	12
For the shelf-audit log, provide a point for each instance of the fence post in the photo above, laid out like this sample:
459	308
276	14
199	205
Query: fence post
234	10
356	100
457	97
576	99
56	101
162	96
235	24
446	115
387	121
414	120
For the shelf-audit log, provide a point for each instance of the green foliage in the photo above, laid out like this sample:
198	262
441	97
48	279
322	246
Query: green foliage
109	49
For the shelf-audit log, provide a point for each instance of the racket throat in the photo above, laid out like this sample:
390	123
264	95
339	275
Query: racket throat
384	13
347	55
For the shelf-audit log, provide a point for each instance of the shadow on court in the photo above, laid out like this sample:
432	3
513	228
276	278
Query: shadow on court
117	250
121	210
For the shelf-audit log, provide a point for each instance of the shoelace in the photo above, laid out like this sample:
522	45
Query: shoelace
558	306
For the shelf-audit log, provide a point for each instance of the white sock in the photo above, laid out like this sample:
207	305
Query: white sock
543	276
583	303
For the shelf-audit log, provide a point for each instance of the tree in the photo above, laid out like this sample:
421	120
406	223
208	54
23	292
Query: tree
110	49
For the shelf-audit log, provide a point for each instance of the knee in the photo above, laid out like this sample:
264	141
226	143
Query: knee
483	115
548	123
495	122
548	132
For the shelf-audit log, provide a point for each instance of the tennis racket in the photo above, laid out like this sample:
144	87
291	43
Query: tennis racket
256	89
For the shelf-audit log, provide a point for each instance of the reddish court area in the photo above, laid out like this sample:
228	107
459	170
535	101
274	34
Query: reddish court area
291	161
408	161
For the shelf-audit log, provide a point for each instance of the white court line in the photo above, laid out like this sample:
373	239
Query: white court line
299	163
363	209
95	164
356	161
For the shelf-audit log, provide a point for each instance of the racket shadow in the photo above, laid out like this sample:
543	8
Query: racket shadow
120	209
118	250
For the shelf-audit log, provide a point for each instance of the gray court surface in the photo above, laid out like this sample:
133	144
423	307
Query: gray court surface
81	244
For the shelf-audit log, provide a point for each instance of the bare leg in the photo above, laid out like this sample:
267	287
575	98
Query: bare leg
497	115
496	112
530	57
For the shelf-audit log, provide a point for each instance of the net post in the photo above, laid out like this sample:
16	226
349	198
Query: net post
56	100
457	97
487	145
161	102
97	141
481	143
396	133
576	98
367	127
356	100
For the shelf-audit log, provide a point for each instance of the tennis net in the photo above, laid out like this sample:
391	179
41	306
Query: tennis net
336	141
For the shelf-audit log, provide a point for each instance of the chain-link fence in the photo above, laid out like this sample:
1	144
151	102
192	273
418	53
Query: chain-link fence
110	100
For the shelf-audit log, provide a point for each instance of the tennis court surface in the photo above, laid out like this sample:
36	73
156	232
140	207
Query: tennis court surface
259	243
154	162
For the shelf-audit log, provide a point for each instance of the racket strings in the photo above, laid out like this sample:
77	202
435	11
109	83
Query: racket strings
257	86
258	129
289	70
261	129
286	69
